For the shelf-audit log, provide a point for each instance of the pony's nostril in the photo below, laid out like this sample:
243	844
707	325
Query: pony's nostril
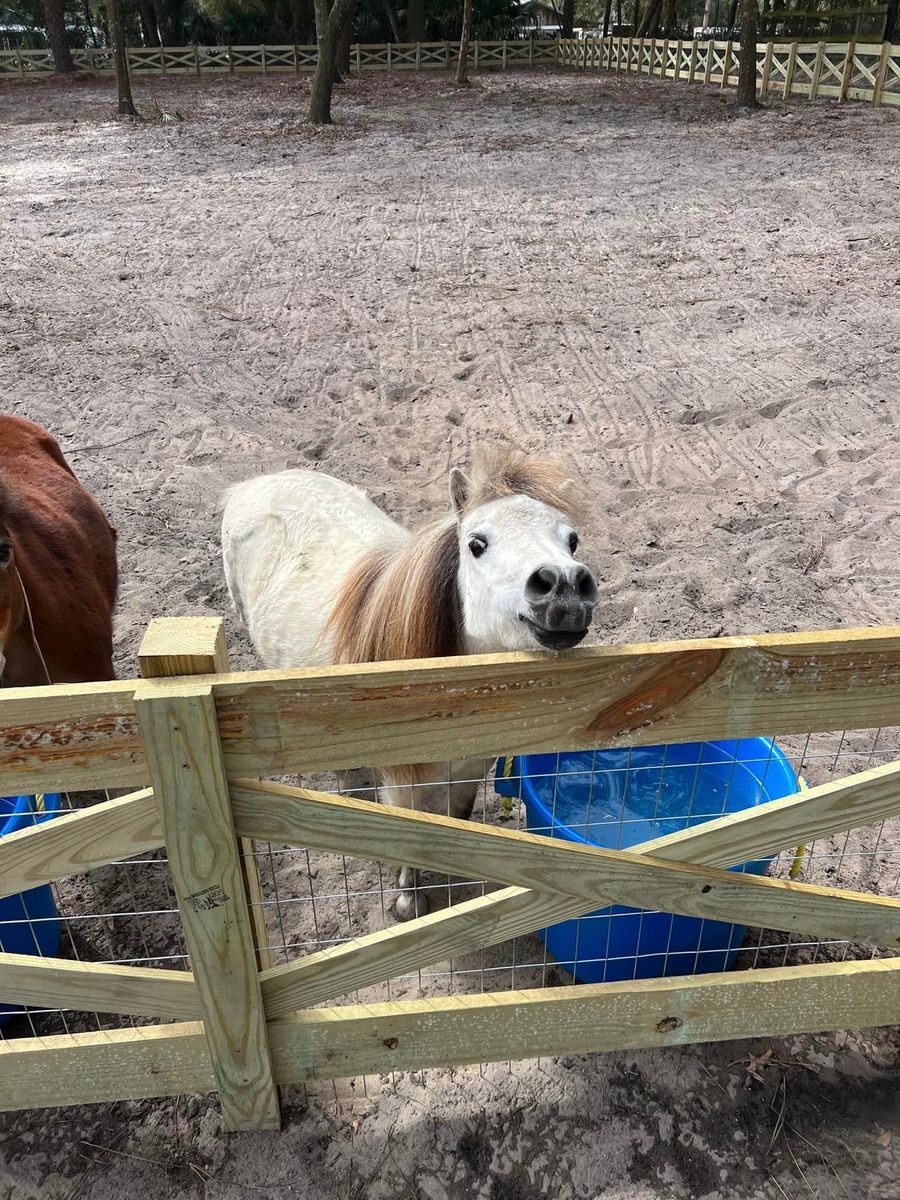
541	583
585	586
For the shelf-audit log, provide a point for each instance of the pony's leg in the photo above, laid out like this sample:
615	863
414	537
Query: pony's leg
449	791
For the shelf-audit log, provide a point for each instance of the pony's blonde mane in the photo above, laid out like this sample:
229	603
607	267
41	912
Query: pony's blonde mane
500	471
402	602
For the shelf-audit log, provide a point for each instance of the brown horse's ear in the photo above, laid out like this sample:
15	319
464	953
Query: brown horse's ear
460	489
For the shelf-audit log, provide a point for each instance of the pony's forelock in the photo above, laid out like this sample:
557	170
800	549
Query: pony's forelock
500	471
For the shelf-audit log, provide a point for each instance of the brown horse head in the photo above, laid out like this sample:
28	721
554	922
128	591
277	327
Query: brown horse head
11	600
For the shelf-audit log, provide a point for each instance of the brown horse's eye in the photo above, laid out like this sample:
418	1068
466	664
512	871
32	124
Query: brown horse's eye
5	551
477	546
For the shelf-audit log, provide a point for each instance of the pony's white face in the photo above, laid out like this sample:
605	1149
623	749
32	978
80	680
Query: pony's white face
520	582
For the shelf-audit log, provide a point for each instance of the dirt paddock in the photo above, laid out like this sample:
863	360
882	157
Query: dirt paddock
700	309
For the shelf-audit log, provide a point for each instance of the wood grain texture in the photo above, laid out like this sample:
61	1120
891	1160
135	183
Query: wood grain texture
325	1043
636	695
183	646
69	737
181	739
331	1042
79	841
97	987
340	717
274	812
174	646
89	1068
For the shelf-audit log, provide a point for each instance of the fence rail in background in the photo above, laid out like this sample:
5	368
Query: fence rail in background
296	60
248	1026
867	71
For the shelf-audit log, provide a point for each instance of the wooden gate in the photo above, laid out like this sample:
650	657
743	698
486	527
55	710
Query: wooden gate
201	737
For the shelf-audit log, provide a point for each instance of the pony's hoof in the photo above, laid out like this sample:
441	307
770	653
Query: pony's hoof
410	905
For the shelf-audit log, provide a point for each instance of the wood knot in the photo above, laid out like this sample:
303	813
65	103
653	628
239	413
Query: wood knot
667	1024
391	1043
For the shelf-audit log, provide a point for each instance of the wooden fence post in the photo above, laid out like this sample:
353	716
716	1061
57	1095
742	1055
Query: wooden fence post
230	62
162	59
389	58
504	54
707	74
181	741
881	73
692	69
817	72
475	68
197	60
263	56
848	70
767	68
726	65
789	73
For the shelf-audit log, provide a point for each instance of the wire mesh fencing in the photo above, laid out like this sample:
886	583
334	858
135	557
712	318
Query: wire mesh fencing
126	913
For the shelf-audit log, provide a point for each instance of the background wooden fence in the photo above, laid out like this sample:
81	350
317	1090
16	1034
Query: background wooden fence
242	1026
839	70
265	60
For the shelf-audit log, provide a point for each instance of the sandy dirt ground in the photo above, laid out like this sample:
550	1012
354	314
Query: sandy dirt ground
701	310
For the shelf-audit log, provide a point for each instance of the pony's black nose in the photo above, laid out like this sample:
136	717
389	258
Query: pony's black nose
562	598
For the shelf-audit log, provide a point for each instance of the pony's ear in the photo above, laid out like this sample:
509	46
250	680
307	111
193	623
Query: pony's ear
460	489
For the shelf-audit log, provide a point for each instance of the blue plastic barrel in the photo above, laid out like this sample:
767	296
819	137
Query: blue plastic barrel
29	921
618	798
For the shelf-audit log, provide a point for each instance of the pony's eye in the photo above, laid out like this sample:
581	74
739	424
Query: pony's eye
573	542
477	545
5	552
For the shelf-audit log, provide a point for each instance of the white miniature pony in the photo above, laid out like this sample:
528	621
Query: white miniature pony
320	575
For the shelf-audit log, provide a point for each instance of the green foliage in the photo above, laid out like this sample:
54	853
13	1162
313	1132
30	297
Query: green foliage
250	22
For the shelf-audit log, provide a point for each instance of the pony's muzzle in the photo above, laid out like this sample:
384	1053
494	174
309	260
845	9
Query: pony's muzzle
561	602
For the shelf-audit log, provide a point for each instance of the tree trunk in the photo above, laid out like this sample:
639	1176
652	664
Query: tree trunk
392	21
670	19
123	79
345	40
57	38
567	19
619	21
328	27
163	23
462	67
606	15
732	16
746	88
415	21
649	18
148	23
707	13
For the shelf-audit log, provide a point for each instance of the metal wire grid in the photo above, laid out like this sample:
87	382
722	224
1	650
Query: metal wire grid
126	913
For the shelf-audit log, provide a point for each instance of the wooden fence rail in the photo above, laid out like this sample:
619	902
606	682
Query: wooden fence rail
203	740
868	71
292	60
